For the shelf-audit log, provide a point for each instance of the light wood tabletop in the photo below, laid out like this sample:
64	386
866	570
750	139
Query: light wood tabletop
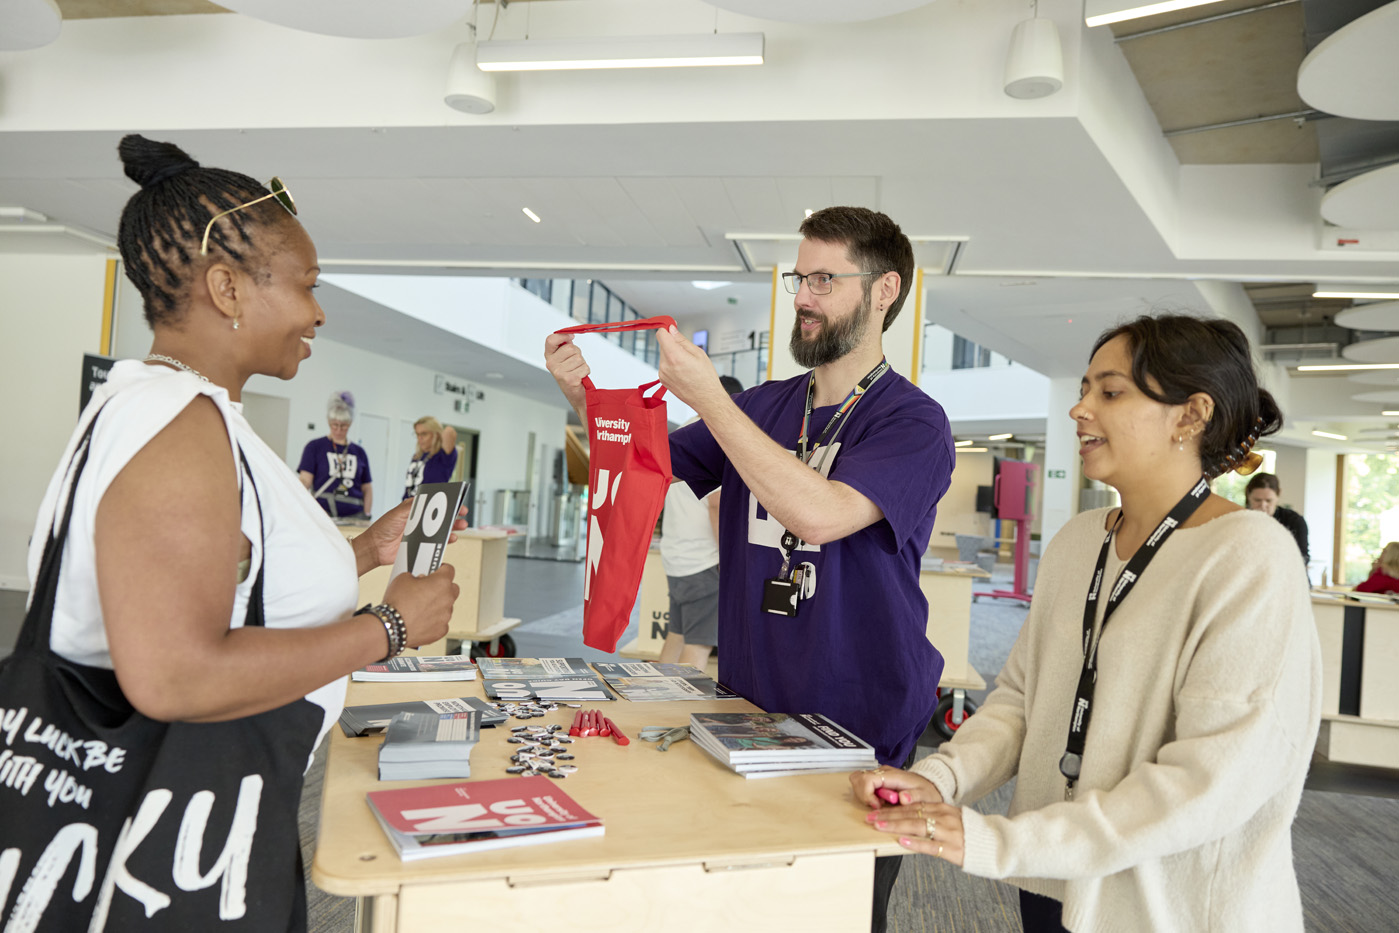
678	807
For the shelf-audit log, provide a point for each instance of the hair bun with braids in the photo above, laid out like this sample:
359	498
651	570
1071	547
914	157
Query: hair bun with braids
148	162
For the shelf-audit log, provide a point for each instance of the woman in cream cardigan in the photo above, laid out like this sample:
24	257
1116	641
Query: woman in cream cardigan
1159	756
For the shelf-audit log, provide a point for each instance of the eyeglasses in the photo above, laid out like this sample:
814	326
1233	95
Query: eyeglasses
818	283
278	191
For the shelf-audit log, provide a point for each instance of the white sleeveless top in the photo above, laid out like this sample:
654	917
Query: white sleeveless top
311	575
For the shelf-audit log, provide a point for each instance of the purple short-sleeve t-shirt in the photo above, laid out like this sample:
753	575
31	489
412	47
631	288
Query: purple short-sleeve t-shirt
857	650
348	465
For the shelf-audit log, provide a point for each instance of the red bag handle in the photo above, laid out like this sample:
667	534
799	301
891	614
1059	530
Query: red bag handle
650	323
659	322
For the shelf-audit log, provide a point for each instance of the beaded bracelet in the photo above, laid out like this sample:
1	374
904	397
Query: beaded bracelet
400	627
394	627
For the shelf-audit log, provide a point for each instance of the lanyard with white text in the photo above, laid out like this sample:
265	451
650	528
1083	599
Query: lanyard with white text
1071	765
789	540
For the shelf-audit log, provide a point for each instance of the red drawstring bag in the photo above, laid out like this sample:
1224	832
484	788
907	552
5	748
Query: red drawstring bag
628	476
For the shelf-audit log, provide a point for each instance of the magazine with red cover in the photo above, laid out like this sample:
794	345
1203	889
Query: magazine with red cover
474	816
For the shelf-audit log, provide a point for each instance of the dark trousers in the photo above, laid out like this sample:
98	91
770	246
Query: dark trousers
886	872
1041	914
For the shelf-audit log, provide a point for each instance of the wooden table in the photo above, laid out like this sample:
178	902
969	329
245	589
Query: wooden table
1360	694
689	845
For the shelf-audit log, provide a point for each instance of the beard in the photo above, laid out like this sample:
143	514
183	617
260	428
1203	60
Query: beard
832	341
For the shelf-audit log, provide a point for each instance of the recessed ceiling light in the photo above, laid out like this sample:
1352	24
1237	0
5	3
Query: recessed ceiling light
1390	413
809	212
963	443
1346	367
1362	293
1000	437
1334	437
709	286
1102	12
530	214
971	450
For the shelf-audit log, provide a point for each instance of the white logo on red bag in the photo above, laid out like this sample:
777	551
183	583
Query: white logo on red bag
602	496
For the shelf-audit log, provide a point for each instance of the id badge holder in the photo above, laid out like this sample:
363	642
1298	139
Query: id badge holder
780	597
782	593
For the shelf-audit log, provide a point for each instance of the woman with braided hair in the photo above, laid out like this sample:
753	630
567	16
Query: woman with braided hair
1160	706
195	567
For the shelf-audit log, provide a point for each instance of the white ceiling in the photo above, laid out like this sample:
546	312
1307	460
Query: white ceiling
1073	207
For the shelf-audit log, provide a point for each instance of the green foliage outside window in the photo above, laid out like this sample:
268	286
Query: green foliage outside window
1371	489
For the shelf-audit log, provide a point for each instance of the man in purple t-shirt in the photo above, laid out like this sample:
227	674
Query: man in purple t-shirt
844	528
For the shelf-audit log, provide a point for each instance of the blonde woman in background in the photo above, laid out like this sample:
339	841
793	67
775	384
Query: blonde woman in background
435	458
1384	575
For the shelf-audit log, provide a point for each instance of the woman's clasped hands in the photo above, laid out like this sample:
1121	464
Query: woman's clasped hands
909	806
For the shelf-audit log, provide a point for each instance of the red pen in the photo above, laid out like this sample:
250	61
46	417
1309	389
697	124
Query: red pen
577	727
617	735
604	724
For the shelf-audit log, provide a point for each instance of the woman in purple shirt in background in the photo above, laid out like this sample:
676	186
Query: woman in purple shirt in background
436	456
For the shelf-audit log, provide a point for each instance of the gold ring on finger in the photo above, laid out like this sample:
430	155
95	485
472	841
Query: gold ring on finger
939	850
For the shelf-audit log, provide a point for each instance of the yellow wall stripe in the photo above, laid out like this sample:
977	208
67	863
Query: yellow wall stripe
915	366
109	306
772	321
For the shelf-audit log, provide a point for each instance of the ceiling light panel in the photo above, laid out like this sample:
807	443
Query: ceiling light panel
1103	12
676	51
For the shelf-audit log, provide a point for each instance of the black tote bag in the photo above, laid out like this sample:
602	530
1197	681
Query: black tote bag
110	820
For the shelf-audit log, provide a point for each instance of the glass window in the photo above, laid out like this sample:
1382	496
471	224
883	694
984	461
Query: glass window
1371	512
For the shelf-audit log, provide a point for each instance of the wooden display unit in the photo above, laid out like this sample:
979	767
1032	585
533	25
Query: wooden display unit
1360	694
654	601
479	614
681	830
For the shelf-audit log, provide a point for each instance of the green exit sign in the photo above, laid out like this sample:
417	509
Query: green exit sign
1057	474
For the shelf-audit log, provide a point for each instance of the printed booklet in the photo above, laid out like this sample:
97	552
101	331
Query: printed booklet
643	681
422	746
430	520
374	719
414	668
532	668
798	743
474	816
547	679
551	689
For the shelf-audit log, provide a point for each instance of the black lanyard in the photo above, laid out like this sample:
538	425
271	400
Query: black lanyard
789	540
1071	764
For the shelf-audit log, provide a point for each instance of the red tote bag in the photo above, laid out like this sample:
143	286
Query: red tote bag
628	475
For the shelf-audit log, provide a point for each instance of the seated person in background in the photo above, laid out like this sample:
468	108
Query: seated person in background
1384	575
436	456
1262	494
332	466
690	558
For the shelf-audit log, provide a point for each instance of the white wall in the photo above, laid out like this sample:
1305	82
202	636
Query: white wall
50	315
1060	494
988	393
1290	467
1319	506
402	393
